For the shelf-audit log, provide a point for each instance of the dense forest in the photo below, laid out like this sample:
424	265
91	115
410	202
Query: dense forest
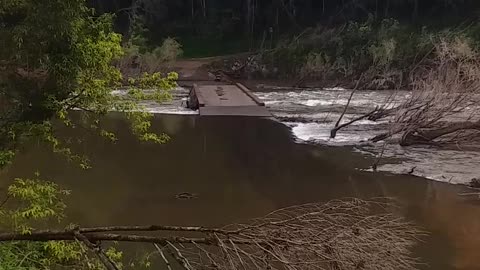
327	40
191	20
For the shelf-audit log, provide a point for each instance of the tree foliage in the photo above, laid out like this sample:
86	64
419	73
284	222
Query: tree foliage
35	203
56	56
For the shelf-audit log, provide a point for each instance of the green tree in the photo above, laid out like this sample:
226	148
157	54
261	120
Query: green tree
40	203
57	55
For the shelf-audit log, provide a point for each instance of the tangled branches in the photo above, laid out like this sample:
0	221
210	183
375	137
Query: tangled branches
336	235
343	234
440	108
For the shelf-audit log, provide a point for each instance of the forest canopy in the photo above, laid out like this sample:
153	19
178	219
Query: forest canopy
235	19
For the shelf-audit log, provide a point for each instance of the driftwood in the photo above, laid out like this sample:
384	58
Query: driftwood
346	234
427	136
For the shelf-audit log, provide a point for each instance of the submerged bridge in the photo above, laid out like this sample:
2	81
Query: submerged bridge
226	100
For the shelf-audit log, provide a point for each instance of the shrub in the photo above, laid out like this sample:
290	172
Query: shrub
383	54
135	63
169	51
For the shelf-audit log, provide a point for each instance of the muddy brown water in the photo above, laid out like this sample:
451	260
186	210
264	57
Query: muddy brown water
242	168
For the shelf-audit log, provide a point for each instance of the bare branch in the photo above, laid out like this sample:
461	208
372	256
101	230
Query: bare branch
179	256
69	235
167	263
348	102
333	132
5	201
436	112
154	228
341	234
97	250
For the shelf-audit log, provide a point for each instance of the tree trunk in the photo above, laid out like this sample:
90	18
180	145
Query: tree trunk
387	8
193	9
415	11
252	26
204	8
248	16
428	136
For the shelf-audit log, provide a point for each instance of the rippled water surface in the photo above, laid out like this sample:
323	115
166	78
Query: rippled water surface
242	168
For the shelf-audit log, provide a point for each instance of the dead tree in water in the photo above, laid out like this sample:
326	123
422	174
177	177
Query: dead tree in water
343	234
333	132
440	108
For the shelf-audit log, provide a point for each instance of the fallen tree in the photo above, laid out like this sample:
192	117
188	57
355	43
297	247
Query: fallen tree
441	106
342	234
438	109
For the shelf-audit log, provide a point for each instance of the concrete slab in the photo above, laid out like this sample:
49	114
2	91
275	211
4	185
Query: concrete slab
227	99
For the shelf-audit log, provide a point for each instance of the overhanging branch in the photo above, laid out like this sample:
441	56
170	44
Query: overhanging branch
312	236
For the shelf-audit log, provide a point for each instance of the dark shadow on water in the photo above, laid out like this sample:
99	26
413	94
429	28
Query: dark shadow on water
241	168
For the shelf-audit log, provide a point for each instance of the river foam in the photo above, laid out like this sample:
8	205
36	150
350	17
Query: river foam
312	114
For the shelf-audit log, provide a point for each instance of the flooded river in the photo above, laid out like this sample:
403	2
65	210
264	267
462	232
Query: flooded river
312	113
241	168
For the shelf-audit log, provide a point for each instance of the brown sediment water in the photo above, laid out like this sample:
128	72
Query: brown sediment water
238	169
